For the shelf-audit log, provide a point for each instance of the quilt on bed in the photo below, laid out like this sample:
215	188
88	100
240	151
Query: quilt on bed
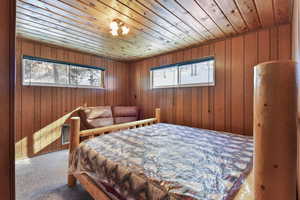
165	161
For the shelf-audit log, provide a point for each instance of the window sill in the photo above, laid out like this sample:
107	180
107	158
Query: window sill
62	86
185	86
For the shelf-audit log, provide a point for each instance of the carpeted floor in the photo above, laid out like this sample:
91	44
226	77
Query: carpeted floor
44	178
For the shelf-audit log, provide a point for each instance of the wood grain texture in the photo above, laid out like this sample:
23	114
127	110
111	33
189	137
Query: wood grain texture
156	26
296	57
40	110
275	130
228	106
7	78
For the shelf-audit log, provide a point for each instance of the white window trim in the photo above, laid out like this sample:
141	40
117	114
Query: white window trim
178	85
40	84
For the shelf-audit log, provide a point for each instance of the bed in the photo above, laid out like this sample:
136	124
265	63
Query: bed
151	160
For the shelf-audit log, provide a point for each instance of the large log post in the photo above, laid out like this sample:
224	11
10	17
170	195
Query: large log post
275	131
74	143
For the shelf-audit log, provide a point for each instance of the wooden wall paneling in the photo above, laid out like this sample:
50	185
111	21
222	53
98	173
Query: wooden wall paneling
170	97
110	83
67	91
200	94
220	89
27	114
86	93
211	94
194	95
60	100
124	84
127	78
139	86
95	91
250	57
115	83
152	63
72	91
274	50
179	94
161	92
146	85
46	107
187	93
119	83
237	78
284	34
227	106
157	92
205	97
264	45
168	93
79	101
132	81
37	109
38	128
18	102
144	90
99	93
106	80
228	85
55	109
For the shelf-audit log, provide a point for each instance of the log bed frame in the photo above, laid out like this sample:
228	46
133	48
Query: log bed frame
275	138
76	136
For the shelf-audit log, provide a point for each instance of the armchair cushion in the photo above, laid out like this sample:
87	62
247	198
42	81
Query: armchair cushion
95	117
124	114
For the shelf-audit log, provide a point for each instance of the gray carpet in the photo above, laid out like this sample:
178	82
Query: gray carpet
44	178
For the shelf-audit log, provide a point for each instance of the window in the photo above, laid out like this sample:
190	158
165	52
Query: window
187	74
165	77
45	72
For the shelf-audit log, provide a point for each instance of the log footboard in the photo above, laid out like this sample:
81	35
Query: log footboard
77	136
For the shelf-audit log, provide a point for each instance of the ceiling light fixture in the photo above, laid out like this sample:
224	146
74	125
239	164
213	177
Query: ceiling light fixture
118	27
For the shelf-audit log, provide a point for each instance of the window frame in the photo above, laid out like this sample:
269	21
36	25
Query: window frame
177	66
41	84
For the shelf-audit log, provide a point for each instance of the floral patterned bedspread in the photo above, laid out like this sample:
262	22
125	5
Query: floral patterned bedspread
165	161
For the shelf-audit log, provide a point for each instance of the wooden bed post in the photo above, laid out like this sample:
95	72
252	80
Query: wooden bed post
157	115
74	143
275	131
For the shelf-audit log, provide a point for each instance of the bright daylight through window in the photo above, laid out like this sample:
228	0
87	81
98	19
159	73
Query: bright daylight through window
44	72
187	74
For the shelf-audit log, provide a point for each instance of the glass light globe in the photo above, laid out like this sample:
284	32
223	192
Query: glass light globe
114	25
114	32
125	30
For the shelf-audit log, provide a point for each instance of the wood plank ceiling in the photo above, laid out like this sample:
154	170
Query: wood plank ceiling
157	26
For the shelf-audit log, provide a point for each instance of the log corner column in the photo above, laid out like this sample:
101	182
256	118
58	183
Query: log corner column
275	131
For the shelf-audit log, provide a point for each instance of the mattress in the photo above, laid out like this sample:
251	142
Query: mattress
165	161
